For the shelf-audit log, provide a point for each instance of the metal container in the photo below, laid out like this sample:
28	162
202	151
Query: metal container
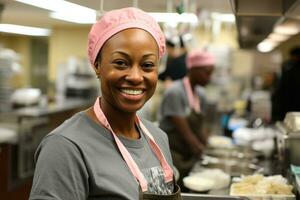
233	161
292	121
31	132
233	167
240	153
288	140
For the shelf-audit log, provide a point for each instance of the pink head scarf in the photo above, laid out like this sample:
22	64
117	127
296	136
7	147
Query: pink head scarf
199	58
117	20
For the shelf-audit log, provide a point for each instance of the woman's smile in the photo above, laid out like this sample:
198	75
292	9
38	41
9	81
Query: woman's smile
132	94
132	91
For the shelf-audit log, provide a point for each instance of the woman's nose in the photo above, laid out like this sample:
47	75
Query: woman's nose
135	75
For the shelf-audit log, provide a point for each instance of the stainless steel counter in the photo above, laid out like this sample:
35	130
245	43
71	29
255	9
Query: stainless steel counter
11	122
243	161
31	124
52	108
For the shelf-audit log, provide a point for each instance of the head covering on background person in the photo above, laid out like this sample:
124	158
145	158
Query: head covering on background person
199	58
117	20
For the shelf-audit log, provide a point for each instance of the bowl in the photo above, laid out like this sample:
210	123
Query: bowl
198	184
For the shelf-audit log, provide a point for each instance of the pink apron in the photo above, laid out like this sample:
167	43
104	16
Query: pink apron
168	172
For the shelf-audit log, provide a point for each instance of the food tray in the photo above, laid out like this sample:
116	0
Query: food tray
265	196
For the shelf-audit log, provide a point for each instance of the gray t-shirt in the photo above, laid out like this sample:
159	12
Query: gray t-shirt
175	103
80	160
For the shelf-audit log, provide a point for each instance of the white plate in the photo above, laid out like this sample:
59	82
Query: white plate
198	184
219	178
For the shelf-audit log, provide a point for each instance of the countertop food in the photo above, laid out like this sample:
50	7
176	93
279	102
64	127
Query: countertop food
262	186
219	141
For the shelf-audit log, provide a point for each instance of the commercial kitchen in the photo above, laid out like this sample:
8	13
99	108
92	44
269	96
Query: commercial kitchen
252	150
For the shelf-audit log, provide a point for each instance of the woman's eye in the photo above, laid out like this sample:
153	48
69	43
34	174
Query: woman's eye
120	63
148	65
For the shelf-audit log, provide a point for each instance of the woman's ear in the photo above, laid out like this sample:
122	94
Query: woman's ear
97	68
96	65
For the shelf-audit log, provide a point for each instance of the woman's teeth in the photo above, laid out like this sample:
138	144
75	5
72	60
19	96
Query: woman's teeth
132	92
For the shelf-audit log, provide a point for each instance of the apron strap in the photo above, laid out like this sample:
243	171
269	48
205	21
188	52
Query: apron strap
193	100
126	155
168	172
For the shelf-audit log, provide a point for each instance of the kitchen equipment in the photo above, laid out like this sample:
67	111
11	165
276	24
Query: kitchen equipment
8	135
80	85
26	96
31	132
237	152
292	121
233	161
288	141
8	66
233	167
76	78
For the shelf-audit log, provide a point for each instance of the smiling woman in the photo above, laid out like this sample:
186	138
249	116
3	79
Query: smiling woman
107	151
128	70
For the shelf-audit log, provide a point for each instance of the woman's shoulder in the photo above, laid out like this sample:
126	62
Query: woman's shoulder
176	89
61	133
176	86
77	129
76	123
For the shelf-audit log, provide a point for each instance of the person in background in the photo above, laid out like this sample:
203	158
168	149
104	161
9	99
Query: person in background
107	151
175	69
286	97
182	111
175	66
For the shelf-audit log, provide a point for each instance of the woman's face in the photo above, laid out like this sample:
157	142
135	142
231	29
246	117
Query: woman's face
202	75
128	68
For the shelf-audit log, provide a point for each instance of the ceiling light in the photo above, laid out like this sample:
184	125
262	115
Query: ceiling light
81	14
278	37
24	30
64	10
287	29
57	5
175	17
223	17
266	45
48	5
86	18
